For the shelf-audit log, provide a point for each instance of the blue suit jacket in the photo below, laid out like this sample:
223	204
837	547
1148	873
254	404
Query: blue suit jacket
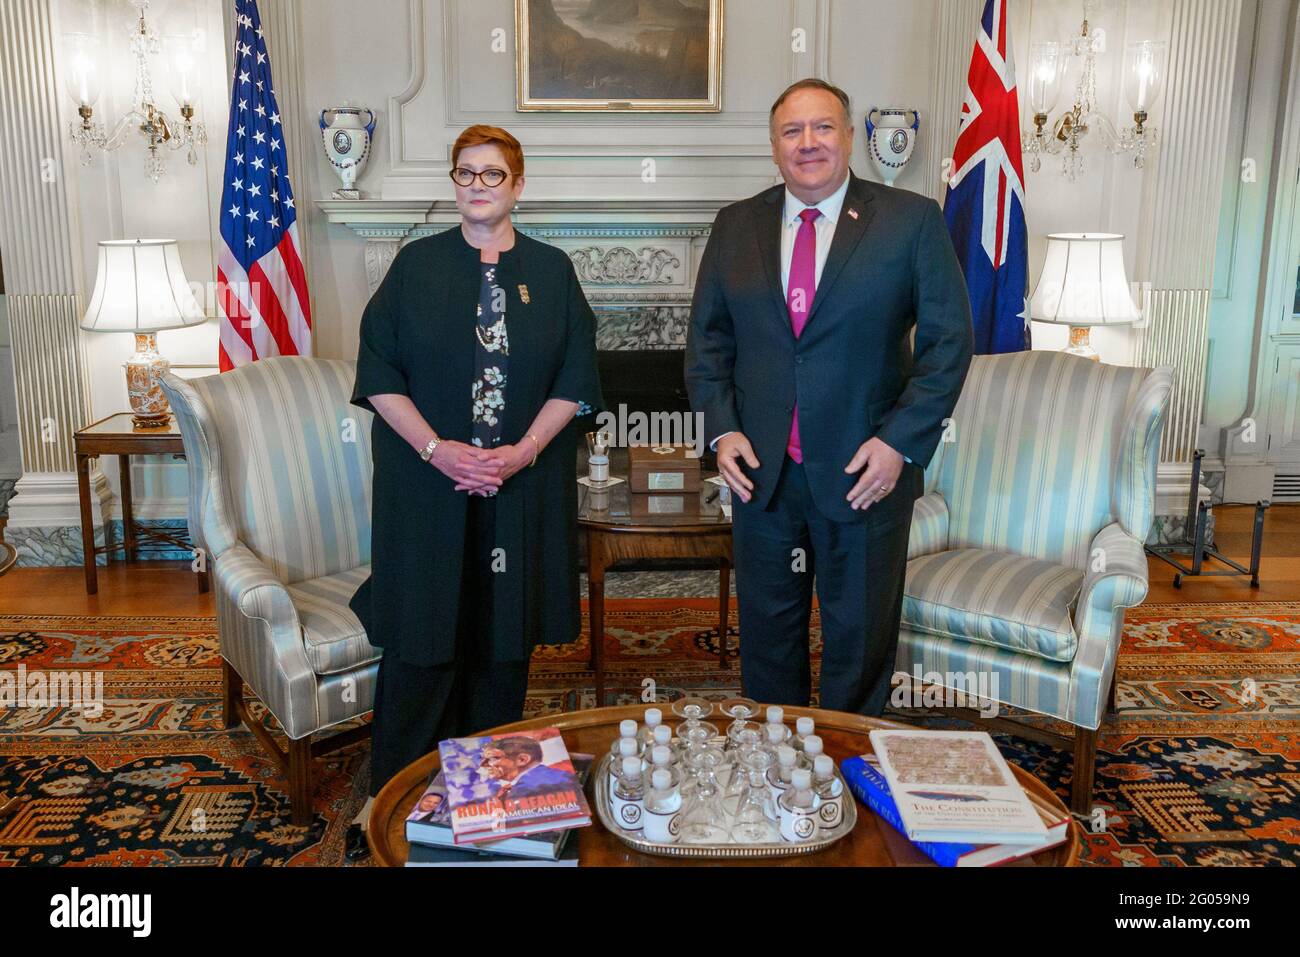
540	779
853	372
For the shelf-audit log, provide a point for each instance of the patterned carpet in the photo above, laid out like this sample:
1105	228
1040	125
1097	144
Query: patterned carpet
1202	765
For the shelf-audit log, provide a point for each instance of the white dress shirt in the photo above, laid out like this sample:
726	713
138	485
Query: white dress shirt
831	207
790	222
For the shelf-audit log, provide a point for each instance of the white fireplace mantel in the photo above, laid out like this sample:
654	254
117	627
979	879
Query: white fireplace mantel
627	252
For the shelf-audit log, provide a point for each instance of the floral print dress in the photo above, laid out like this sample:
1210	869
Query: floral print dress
491	356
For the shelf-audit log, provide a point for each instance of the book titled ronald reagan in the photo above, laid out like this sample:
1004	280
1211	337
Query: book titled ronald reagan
509	785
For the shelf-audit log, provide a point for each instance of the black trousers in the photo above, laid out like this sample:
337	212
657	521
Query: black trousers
859	571
417	707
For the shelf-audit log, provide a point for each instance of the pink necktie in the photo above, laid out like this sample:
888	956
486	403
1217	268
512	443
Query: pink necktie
799	299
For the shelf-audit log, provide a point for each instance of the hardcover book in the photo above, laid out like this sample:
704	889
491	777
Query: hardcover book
428	855
510	785
429	824
955	786
869	786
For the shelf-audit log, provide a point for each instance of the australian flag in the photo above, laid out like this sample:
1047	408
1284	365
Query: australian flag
984	204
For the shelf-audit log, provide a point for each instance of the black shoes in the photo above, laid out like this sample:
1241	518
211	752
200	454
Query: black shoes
357	848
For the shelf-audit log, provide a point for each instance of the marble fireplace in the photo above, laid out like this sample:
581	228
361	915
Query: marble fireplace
637	263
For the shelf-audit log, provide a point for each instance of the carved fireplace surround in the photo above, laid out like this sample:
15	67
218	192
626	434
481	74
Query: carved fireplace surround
636	260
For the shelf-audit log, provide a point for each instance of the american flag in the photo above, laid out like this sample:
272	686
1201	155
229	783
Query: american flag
261	282
984	204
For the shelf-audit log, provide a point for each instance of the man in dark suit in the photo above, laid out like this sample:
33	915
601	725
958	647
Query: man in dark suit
823	413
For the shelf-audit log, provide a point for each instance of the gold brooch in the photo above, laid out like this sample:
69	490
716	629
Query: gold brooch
523	293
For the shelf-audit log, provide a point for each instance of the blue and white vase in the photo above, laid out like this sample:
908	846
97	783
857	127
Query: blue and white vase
347	141
891	139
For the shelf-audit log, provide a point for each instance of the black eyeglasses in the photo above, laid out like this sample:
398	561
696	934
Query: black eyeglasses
463	176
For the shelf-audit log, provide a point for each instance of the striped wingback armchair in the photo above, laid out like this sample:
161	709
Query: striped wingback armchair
1027	544
280	475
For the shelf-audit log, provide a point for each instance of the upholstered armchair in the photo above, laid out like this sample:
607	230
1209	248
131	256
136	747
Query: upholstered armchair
1027	544
280	474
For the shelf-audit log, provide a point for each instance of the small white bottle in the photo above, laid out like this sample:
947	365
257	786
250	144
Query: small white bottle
662	804
812	746
654	718
830	792
661	756
775	714
629	795
627	748
802	728
775	734
626	729
797	807
663	738
779	774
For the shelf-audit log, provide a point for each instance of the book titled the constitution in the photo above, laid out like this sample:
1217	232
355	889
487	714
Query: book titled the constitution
955	786
510	785
862	773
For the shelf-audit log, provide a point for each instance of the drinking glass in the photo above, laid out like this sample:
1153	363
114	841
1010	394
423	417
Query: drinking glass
703	819
755	816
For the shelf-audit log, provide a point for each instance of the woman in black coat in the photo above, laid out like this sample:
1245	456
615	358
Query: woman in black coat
476	353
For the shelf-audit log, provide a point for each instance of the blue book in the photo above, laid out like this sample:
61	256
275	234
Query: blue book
869	786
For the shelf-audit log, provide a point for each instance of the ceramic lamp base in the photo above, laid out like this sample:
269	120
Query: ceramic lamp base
149	409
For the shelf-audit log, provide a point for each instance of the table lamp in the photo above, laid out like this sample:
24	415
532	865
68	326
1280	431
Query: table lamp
1083	284
141	288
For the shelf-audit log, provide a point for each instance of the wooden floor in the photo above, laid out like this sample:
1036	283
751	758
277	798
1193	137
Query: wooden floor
171	589
1279	568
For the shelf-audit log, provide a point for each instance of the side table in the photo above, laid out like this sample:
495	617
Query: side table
620	524
118	435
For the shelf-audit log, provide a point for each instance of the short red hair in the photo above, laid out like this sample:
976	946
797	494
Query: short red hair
480	134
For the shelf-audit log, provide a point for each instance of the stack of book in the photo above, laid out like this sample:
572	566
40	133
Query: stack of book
952	794
501	800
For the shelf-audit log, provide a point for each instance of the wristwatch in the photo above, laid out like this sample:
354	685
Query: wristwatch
426	453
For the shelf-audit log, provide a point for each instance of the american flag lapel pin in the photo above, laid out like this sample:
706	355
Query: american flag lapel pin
523	293
853	213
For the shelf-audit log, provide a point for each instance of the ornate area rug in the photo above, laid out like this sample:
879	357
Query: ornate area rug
1201	766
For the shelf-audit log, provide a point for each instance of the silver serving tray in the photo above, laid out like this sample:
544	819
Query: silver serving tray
600	781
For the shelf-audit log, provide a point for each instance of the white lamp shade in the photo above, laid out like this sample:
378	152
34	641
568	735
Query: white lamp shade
141	287
1083	282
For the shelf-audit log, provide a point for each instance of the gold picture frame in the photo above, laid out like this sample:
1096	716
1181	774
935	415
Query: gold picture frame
564	47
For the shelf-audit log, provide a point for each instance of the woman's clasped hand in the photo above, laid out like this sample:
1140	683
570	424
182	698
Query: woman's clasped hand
480	471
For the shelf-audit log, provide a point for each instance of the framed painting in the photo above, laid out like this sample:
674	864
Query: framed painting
619	56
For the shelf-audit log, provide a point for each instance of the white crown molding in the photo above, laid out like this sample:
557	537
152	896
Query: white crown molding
384	218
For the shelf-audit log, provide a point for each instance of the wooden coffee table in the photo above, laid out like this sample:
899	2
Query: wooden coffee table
873	843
